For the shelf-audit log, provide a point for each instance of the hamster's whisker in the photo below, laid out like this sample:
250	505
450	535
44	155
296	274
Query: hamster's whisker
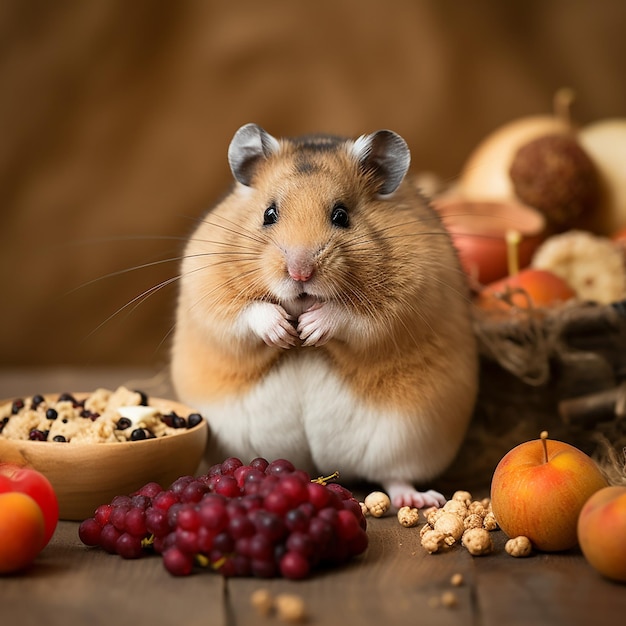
124	271
227	284
135	302
235	229
225	244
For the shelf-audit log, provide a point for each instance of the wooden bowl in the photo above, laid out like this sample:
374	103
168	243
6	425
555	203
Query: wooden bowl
85	475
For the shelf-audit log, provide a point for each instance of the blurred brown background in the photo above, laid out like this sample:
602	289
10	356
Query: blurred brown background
115	118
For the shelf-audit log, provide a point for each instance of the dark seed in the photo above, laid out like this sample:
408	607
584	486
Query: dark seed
38	435
59	438
67	397
138	434
144	397
123	423
194	419
36	401
168	419
51	414
17	406
3	423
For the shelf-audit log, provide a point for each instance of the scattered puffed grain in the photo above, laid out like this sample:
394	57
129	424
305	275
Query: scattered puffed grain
449	599
408	516
518	546
433	541
451	525
434	515
473	520
290	608
262	601
455	506
490	523
477	541
462	496
477	508
378	503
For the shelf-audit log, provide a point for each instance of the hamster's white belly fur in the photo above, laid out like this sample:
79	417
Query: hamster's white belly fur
301	411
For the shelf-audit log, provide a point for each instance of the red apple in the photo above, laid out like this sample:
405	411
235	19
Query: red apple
602	532
538	490
529	287
37	486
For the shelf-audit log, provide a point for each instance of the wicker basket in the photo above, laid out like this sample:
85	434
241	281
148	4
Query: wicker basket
561	370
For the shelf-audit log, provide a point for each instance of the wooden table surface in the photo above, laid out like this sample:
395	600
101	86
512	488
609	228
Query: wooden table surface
394	582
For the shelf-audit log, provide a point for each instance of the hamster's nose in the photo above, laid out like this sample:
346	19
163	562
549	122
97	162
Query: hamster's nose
301	274
300	266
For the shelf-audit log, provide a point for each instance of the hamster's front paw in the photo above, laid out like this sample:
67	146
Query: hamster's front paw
272	324
317	325
403	494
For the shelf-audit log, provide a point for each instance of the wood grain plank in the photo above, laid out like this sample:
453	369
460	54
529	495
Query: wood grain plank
394	582
558	588
71	584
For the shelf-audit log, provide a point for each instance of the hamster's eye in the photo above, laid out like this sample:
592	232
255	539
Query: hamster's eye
339	216
271	215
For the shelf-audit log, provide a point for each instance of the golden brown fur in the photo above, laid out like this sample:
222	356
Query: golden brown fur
388	290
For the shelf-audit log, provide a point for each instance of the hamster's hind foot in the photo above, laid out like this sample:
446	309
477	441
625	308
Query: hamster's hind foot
404	494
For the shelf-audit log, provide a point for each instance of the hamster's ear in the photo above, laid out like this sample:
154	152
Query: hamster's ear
386	155
249	144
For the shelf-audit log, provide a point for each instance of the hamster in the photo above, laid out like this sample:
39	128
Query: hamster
323	316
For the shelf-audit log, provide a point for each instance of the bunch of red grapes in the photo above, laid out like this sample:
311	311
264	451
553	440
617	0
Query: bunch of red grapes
262	519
